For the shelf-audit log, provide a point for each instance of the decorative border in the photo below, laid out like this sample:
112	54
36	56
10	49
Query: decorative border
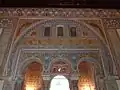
43	51
60	12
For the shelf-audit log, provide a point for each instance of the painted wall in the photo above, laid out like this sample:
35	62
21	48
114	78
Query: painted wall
23	27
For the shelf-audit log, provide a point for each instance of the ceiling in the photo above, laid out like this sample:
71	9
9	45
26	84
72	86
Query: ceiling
62	3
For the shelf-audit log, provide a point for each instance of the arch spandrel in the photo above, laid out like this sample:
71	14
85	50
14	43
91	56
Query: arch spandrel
60	67
97	28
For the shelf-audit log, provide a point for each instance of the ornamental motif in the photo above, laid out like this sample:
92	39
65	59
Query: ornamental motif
5	22
59	12
60	67
46	56
23	24
112	23
72	41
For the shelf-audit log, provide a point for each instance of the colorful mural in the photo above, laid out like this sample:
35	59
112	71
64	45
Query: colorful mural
75	43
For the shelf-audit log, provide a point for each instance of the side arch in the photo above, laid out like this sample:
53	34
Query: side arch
91	60
23	66
87	78
28	71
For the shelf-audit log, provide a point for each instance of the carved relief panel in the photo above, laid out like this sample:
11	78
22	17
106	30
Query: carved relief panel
60	67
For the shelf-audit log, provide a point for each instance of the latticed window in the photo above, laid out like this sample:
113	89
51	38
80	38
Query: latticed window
73	31
85	33
47	31
59	31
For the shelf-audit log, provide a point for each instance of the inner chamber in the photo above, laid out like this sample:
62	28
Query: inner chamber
33	77
86	80
59	82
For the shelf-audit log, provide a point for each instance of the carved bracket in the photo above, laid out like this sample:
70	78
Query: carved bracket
112	23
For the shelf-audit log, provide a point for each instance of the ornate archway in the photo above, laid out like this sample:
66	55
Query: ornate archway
33	40
32	77
87	78
61	66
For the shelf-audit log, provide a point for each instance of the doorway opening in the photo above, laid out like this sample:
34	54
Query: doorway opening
59	82
33	77
86	80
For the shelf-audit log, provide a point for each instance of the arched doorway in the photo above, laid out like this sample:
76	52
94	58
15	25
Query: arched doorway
59	82
86	80
33	77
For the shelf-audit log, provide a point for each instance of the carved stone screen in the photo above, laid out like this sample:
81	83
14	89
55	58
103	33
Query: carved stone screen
60	67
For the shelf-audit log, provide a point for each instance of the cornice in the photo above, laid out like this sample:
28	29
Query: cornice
60	12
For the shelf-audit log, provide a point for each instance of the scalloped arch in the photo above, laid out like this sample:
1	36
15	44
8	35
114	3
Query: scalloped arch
22	67
90	60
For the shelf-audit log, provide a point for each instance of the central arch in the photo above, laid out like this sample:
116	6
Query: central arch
59	82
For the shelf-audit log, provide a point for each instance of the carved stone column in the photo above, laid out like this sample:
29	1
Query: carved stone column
74	81
111	83
46	85
46	82
111	26
118	83
74	85
8	83
1	84
100	83
18	83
